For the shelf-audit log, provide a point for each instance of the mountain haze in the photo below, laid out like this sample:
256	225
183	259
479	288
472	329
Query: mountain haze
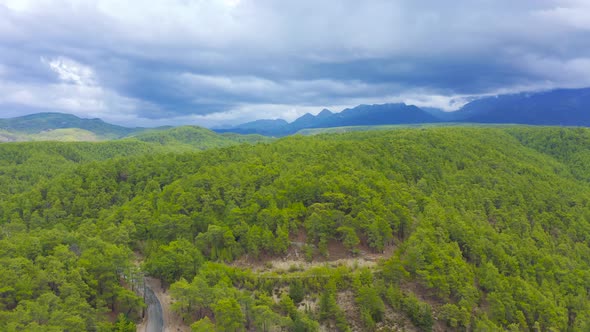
565	107
362	115
569	107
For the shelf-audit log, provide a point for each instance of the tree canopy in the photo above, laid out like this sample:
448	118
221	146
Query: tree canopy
475	228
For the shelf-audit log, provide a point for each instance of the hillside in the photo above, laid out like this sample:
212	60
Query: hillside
43	122
444	229
193	137
57	127
22	164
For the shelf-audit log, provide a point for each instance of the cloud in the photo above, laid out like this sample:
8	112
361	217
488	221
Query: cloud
567	73
217	61
70	71
574	14
75	91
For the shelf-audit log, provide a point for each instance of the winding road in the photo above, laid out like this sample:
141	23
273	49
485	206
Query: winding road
155	316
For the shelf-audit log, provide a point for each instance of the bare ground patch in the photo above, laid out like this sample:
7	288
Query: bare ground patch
294	259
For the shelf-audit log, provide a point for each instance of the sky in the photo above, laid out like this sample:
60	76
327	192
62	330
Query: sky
218	63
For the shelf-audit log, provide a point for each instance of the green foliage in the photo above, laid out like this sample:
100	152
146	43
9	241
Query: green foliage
203	325
228	315
61	280
329	309
420	313
371	305
124	325
454	316
218	243
188	138
489	226
349	238
296	291
175	260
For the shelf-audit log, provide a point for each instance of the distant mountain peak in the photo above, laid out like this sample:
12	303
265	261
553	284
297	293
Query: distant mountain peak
306	116
383	114
570	107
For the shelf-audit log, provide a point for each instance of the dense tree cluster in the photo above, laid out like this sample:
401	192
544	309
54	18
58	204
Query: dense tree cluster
490	228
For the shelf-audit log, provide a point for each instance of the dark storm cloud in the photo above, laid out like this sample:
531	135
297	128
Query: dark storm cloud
222	61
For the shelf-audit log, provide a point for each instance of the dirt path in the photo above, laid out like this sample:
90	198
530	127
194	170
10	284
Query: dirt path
154	319
294	260
171	321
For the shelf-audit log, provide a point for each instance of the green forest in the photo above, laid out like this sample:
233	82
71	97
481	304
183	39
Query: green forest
421	229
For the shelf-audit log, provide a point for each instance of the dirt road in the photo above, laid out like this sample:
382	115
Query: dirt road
159	316
155	316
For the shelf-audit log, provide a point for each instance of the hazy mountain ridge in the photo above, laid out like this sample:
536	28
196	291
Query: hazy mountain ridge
567	107
564	107
362	115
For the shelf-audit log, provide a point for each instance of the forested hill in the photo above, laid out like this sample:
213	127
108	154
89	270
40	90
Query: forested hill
41	122
193	137
24	163
478	229
70	128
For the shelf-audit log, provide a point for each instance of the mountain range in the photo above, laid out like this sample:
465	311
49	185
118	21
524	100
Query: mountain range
362	115
565	107
67	127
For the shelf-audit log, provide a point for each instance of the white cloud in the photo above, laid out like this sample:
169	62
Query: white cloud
77	92
252	87
79	99
70	71
330	30
139	60
244	113
572	13
18	5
